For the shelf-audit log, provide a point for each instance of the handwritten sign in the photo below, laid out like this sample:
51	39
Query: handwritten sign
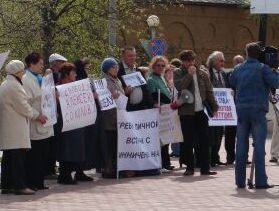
138	140
105	98
226	114
169	126
77	104
277	98
3	58
48	103
134	79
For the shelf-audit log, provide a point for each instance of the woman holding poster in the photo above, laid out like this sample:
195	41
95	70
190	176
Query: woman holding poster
71	150
40	134
155	82
110	69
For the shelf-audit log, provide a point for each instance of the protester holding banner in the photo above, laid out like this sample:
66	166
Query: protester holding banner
194	122
156	84
139	98
252	81
71	149
168	75
215	64
15	113
55	62
110	68
92	134
40	135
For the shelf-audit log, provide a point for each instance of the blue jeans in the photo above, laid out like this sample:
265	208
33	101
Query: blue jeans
254	121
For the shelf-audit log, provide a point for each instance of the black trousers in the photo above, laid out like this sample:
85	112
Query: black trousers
230	138
36	161
165	156
13	169
110	149
216	135
195	133
51	156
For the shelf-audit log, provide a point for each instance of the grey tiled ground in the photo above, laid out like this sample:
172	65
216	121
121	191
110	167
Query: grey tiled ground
170	191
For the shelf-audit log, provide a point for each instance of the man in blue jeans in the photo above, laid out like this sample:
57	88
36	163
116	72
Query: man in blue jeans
253	81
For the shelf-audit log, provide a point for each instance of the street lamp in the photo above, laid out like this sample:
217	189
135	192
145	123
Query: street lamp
153	21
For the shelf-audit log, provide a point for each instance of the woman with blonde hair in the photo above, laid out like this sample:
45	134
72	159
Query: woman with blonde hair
155	82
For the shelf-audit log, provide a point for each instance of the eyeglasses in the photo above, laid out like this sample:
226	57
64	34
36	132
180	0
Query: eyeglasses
160	65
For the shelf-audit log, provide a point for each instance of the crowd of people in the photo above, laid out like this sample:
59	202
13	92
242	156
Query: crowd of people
32	150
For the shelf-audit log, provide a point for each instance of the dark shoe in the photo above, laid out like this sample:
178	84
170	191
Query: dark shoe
273	160
83	177
213	164
66	180
7	191
241	186
188	172
51	177
219	163
169	167
208	172
43	188
230	162
25	191
264	187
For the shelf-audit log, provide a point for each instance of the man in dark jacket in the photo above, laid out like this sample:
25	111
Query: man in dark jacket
252	81
139	98
194	122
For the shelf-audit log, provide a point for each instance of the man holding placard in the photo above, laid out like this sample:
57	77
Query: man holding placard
139	98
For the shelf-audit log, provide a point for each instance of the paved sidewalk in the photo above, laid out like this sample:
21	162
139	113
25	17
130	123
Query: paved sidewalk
170	191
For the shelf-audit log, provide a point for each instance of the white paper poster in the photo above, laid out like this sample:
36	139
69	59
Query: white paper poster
77	104
169	126
121	102
226	114
48	103
138	140
104	95
277	99
3	58
134	79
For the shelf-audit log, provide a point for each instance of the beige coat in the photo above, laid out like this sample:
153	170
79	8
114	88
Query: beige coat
15	113
33	90
110	116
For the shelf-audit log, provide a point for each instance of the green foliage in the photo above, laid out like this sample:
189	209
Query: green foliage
74	28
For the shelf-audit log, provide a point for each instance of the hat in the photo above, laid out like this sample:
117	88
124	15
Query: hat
14	66
108	63
56	57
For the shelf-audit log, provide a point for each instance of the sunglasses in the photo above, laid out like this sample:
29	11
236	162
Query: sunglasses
160	65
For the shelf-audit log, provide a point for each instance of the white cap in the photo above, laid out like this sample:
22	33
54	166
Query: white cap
14	66
56	57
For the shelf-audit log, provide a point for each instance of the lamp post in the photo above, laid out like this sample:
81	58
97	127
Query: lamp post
153	22
112	25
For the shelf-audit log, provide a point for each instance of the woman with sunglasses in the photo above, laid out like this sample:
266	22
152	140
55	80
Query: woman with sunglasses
155	82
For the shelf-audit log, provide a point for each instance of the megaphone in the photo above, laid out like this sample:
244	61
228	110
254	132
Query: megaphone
185	97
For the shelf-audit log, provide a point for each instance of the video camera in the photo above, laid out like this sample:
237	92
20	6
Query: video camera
269	56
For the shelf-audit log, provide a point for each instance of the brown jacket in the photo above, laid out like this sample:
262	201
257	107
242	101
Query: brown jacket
183	80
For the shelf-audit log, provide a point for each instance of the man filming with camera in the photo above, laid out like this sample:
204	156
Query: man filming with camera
253	81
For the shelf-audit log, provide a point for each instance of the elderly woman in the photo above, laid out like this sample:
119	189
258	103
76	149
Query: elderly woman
71	149
157	82
40	135
15	114
110	69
